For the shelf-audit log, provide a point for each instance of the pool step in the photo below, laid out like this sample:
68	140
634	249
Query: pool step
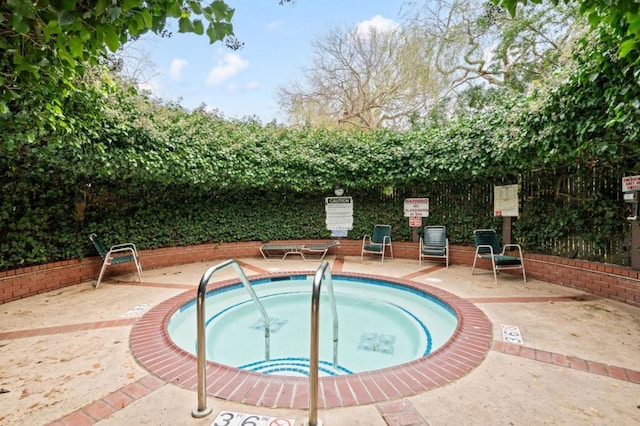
293	367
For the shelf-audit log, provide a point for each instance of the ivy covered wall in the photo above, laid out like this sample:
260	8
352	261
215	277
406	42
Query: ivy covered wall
111	161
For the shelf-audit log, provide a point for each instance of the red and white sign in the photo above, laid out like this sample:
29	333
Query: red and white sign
415	221
631	183
416	207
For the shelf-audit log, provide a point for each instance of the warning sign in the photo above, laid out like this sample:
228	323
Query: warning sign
231	418
416	207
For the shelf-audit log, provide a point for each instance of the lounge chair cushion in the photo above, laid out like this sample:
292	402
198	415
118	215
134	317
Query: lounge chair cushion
503	260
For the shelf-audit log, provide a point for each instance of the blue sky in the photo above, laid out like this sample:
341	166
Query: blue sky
277	45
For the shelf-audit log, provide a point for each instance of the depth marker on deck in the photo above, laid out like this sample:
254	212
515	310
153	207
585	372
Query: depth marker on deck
231	418
511	334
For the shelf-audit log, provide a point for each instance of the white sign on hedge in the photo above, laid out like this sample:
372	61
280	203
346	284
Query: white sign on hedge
339	212
505	200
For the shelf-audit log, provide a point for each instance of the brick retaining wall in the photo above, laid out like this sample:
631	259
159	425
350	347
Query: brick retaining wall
604	280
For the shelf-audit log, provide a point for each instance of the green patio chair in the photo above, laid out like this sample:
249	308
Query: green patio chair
378	242
117	254
488	247
434	244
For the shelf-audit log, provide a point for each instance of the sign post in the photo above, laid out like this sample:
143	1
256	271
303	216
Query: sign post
631	190
505	204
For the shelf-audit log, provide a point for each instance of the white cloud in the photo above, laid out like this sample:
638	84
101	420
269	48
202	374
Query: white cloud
152	87
176	68
230	65
378	24
275	25
247	87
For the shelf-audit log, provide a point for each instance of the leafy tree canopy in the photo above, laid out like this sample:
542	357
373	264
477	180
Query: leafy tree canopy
620	16
57	38
54	40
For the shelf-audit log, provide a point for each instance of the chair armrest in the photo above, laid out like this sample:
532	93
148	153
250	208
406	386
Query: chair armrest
514	246
124	245
119	248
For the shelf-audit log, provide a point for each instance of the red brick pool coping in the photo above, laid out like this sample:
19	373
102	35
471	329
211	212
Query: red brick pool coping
469	345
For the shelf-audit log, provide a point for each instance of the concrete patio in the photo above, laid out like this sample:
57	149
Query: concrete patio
66	356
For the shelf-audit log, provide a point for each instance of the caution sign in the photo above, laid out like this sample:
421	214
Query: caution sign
231	418
339	212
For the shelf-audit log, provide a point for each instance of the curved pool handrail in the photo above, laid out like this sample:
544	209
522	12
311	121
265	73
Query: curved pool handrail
202	410
322	271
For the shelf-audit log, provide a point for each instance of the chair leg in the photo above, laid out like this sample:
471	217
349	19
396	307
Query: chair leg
524	275
495	275
104	267
138	267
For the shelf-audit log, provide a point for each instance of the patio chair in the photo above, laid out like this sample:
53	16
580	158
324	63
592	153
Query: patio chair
434	244
378	242
117	254
488	247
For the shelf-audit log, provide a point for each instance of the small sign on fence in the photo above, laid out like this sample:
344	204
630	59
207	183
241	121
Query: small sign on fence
631	183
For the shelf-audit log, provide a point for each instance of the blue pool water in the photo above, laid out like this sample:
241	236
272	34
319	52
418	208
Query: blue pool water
381	324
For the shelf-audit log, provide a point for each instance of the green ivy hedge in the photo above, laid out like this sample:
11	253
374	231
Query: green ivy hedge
161	176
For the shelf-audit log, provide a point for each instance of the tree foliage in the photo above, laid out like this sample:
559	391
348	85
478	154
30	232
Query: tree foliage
478	42
620	18
364	79
54	40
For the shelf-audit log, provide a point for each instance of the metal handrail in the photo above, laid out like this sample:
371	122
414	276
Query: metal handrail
315	328
202	410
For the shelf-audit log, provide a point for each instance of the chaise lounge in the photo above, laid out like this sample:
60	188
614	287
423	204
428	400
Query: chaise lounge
279	252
